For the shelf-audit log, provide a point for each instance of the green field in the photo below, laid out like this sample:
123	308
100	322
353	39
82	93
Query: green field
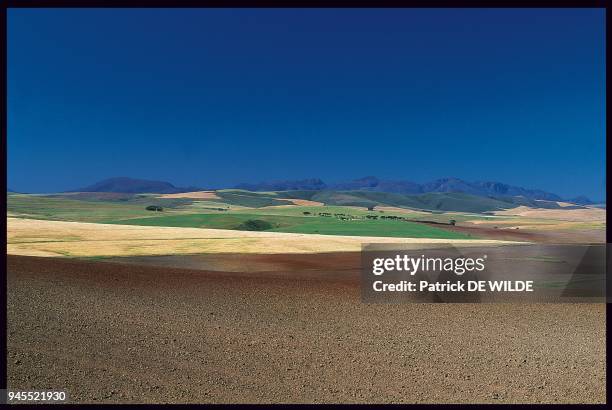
239	210
302	224
62	209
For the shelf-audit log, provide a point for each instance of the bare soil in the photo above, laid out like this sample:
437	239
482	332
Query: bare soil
126	333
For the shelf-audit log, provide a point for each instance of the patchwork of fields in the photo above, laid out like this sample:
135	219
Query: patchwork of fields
109	224
187	212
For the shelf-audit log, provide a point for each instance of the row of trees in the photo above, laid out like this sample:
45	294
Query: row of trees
346	217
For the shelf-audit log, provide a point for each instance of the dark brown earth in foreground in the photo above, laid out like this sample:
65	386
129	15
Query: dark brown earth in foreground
110	332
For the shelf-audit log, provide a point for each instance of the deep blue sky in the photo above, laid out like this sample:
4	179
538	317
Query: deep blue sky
216	97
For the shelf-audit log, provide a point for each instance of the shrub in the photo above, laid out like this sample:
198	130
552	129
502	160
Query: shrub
254	225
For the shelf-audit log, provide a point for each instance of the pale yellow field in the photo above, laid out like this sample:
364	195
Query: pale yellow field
590	214
551	225
193	195
79	239
402	210
301	202
213	195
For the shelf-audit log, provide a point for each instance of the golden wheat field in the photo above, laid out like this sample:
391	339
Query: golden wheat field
589	214
30	237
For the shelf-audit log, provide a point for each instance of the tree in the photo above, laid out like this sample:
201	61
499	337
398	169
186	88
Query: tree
254	225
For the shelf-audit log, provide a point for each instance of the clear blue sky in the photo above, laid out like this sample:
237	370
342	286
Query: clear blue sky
215	97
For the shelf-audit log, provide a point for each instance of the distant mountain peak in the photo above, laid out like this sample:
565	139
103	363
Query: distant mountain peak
373	183
581	200
489	189
129	185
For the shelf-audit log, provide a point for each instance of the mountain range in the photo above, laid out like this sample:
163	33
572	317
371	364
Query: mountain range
445	185
489	189
126	185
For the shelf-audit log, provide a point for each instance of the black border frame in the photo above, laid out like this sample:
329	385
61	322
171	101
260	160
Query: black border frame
8	4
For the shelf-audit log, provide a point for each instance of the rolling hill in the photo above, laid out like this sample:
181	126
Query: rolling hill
446	194
314	184
433	201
